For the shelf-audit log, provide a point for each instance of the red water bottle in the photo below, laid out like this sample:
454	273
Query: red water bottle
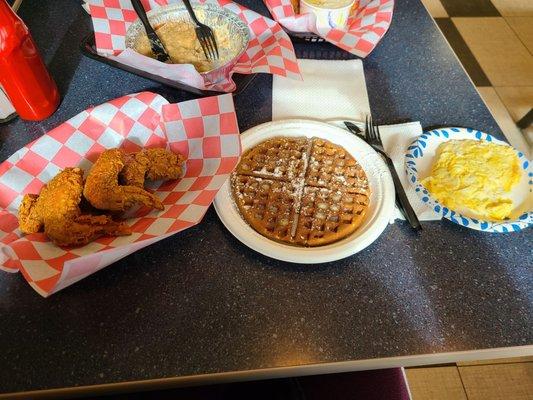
23	74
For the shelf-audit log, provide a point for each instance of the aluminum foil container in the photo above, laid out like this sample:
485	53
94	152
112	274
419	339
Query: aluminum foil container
213	16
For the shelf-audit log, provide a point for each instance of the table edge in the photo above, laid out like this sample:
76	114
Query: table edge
274	373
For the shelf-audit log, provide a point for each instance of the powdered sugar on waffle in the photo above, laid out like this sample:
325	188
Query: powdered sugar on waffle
334	175
277	173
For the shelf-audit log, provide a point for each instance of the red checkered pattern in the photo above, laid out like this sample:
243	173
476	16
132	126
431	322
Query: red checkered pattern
204	130
365	28
269	51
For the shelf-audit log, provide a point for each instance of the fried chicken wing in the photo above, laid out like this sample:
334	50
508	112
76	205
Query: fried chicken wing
56	209
134	171
152	164
102	187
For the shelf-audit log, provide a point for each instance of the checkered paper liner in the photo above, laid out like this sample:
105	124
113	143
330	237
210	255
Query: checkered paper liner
365	27
269	50
204	130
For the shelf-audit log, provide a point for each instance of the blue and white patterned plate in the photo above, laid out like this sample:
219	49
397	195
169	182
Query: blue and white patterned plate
419	160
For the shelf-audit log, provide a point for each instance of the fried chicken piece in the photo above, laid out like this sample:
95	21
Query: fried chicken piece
296	6
102	188
56	209
30	221
151	164
134	171
164	164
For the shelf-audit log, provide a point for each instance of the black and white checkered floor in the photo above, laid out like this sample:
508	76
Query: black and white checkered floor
493	39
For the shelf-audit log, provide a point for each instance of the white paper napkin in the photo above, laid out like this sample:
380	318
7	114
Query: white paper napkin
331	89
396	139
334	90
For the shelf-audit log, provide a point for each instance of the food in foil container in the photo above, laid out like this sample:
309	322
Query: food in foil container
177	32
72	212
183	47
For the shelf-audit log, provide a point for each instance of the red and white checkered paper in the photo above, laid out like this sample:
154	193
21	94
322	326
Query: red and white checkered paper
204	130
269	50
365	27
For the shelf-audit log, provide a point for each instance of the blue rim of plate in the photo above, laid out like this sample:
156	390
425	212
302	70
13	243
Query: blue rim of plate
416	151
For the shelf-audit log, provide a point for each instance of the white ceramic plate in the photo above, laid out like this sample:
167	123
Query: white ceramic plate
419	160
379	213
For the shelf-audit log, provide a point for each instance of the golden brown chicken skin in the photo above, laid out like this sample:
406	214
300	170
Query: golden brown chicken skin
152	164
56	210
102	188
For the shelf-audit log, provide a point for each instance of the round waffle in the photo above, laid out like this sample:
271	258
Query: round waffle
301	191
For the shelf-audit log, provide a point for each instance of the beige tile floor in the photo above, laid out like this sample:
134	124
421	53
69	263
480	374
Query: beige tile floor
437	383
435	8
502	379
514	7
503	57
498	381
523	27
503	47
502	115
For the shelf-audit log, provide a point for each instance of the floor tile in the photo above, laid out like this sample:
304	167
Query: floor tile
517	100
523	27
470	8
502	56
512	360
435	383
501	381
504	120
519	8
528	133
464	54
435	8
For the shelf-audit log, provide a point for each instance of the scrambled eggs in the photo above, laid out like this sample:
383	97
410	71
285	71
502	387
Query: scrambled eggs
474	175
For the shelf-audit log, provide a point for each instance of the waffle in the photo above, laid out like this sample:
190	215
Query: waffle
280	158
301	191
331	166
327	215
268	205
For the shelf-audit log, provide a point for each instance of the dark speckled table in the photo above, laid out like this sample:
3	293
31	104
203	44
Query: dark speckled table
200	303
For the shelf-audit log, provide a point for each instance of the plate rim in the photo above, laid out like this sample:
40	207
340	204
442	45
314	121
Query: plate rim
311	255
415	151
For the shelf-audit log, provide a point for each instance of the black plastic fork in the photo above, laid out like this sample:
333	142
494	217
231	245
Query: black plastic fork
373	138
158	49
205	35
